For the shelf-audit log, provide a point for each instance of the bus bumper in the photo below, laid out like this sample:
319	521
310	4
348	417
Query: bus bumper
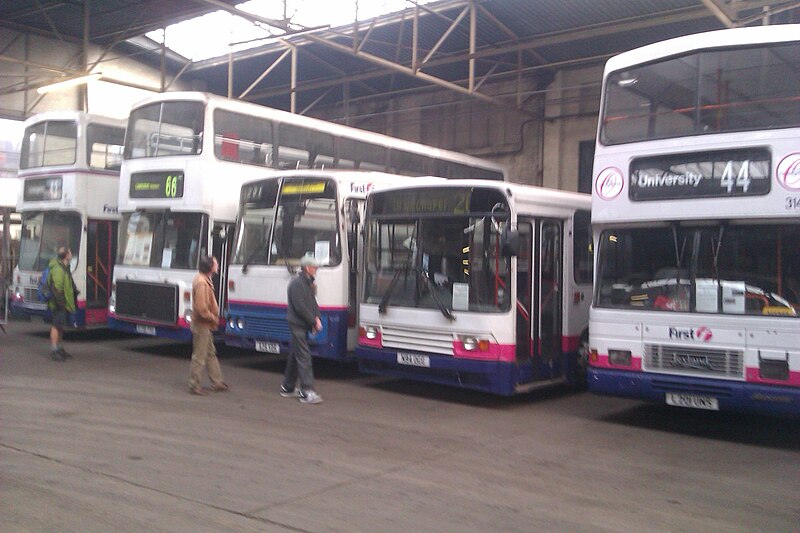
265	327
731	395
26	310
488	376
164	332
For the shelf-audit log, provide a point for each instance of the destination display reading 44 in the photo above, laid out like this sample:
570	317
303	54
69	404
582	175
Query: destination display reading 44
726	173
167	184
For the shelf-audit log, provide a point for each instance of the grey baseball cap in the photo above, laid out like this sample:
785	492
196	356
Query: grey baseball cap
309	260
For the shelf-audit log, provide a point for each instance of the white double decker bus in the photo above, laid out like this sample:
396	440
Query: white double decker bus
478	285
696	210
186	157
69	169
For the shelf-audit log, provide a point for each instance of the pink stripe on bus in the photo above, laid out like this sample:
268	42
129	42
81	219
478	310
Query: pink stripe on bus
603	362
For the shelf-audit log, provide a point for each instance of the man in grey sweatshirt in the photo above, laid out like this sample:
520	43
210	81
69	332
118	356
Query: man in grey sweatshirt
303	317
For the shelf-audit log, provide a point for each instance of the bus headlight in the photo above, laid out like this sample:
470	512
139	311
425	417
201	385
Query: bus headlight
472	343
187	316
619	357
240	323
371	332
231	323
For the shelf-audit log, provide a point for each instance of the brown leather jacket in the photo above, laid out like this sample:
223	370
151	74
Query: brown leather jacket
205	310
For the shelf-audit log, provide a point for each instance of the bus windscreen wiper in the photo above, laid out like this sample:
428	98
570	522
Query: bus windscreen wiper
446	311
390	288
253	254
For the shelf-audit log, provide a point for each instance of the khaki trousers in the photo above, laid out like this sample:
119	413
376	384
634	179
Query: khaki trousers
204	355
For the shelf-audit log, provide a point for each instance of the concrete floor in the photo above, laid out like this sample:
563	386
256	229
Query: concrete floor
110	441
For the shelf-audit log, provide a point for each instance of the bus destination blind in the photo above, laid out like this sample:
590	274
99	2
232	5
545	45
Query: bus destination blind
157	185
722	174
42	189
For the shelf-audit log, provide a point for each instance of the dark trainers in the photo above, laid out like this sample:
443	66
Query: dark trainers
56	355
286	393
310	397
65	354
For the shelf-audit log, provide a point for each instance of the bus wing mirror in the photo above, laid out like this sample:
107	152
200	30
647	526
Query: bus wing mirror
509	241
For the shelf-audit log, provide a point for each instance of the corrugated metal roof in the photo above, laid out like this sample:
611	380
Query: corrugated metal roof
550	34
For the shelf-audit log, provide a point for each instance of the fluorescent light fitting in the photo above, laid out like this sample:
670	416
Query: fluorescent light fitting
69	82
627	82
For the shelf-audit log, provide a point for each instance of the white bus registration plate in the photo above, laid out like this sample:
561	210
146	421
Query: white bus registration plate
694	401
145	330
268	347
413	359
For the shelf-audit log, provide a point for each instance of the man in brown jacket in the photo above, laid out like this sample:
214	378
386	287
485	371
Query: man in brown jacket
205	320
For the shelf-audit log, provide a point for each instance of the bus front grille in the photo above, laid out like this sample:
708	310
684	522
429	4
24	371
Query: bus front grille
154	302
700	361
30	294
267	327
417	340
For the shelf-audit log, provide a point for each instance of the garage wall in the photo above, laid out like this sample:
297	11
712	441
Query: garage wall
105	98
539	146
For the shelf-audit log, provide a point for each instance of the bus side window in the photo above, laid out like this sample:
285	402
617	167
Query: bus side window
242	139
582	248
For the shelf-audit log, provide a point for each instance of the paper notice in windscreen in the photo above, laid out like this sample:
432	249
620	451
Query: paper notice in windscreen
460	297
166	258
322	252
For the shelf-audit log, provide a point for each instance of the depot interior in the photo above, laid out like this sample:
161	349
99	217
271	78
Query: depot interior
512	81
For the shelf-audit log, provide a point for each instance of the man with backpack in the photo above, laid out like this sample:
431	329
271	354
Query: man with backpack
62	300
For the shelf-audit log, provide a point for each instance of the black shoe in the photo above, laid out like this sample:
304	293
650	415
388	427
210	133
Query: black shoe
286	393
64	353
57	356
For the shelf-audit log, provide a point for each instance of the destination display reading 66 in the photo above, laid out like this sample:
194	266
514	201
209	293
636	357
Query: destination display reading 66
162	184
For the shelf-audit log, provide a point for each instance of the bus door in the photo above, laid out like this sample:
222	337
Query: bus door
547	298
221	249
354	215
101	253
524	313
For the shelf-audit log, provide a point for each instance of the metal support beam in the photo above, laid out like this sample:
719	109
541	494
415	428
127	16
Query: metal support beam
49	20
513	36
414	39
293	88
447	33
265	73
230	72
163	59
349	51
11	43
473	33
316	101
767	12
366	36
178	75
486	76
83	90
719	12
51	68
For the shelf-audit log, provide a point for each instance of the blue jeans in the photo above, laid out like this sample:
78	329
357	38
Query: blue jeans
299	362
